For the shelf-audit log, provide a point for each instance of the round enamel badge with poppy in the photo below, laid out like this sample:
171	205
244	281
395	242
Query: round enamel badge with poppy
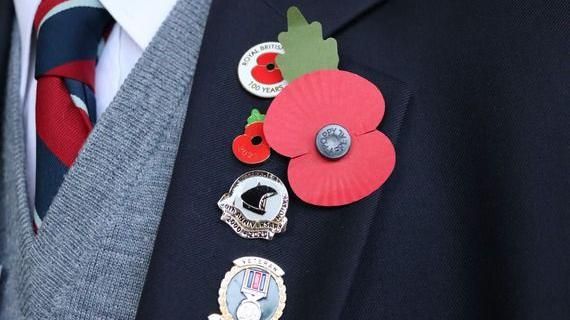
258	72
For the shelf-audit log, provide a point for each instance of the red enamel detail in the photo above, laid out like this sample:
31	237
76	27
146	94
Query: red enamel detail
267	71
244	148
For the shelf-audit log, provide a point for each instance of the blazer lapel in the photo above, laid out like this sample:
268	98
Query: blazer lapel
333	14
194	248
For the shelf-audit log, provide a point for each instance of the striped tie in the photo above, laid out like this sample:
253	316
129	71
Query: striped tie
68	37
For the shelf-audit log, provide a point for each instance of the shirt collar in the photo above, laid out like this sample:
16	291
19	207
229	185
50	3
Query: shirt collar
25	11
140	21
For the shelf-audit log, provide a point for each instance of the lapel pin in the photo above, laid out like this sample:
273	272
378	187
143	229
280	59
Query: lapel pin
253	289
256	205
251	147
337	154
258	72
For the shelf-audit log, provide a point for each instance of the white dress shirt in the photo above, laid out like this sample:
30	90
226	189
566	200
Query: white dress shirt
136	24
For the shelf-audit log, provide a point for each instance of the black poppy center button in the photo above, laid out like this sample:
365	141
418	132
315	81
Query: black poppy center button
333	141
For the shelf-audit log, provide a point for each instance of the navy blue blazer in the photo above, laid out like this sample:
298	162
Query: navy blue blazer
6	17
474	222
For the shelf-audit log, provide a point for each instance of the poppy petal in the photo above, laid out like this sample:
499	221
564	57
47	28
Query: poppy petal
267	58
363	170
317	99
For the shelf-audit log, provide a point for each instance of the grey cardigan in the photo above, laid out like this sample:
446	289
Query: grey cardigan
90	257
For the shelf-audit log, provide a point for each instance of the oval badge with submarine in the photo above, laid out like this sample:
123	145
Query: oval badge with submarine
256	205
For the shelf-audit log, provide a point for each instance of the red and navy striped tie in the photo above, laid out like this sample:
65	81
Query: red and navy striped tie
69	33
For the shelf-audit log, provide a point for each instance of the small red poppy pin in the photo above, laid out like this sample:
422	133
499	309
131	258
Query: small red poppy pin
325	120
251	147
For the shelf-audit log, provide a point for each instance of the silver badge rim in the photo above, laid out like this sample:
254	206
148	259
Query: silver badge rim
242	264
237	220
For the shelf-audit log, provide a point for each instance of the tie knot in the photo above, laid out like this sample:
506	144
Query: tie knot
68	33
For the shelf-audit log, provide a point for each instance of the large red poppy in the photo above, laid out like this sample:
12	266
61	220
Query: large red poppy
310	103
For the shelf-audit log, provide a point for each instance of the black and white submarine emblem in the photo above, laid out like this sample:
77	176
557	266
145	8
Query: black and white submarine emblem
256	205
255	199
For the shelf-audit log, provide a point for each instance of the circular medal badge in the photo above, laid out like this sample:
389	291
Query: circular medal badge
256	205
258	72
252	290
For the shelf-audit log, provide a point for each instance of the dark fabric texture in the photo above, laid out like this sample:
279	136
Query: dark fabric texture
6	18
474	222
